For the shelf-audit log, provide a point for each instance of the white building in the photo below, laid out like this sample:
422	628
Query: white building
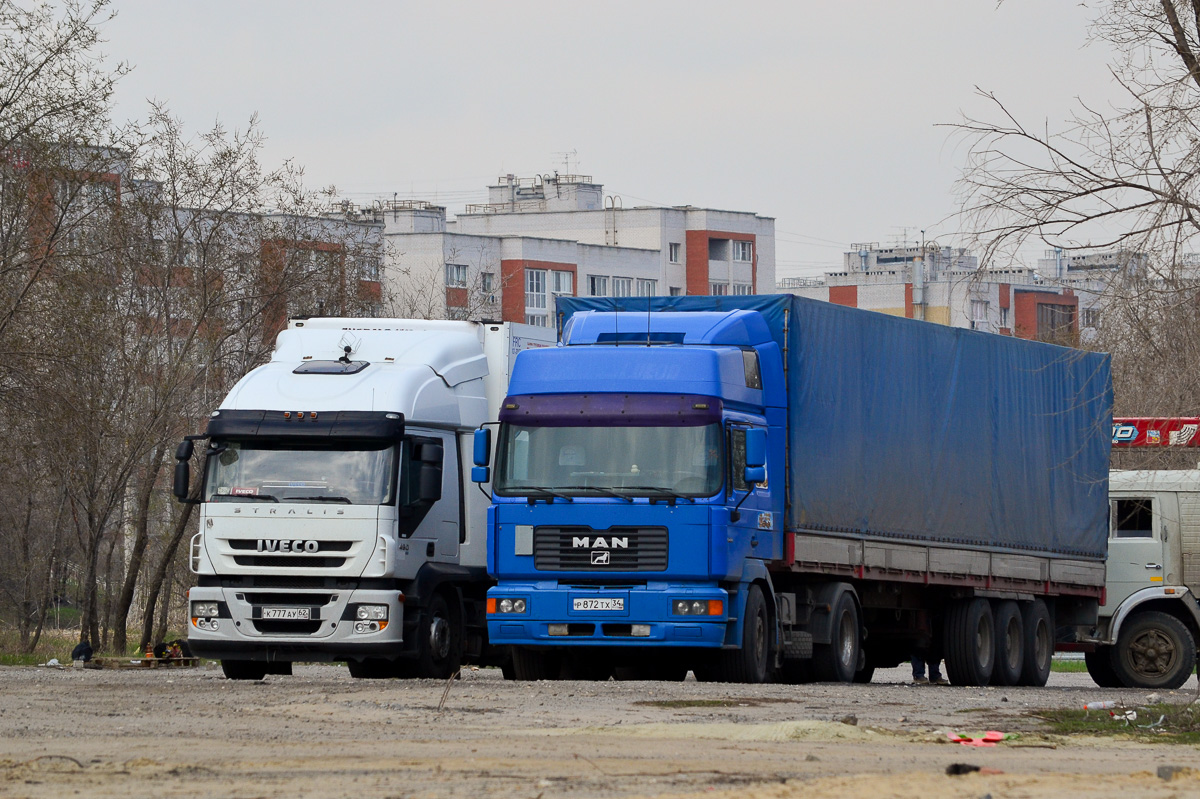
559	234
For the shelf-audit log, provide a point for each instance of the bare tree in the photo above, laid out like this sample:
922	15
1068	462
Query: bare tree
1118	179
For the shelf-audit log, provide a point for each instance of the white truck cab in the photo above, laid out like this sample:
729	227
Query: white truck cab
337	521
1150	620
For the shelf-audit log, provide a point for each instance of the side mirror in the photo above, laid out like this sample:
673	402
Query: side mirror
429	487
756	456
756	447
482	455
183	473
183	480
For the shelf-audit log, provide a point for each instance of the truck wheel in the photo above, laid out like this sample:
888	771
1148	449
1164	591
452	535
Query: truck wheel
1010	643
1039	643
532	664
864	674
750	662
439	639
970	642
1100	667
373	669
837	661
243	669
1154	650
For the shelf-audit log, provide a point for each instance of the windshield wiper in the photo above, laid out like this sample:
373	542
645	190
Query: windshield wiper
662	490
602	489
544	492
326	498
263	497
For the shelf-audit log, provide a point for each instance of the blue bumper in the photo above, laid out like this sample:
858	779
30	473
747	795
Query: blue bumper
642	609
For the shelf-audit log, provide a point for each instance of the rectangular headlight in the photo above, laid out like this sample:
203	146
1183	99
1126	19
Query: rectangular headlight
371	612
204	610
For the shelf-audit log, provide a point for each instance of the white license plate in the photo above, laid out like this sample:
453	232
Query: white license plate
285	613
599	603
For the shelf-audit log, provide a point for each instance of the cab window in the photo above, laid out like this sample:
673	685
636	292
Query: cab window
1133	518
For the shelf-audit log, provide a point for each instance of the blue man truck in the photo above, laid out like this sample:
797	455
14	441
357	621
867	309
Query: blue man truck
761	488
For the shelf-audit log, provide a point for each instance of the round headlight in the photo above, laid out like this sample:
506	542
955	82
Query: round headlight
506	606
361	612
681	606
519	606
697	607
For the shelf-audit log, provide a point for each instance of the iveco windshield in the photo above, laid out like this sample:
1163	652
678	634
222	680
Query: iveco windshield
244	471
623	461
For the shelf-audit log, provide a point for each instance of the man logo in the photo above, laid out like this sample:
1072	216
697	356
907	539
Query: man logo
600	558
600	542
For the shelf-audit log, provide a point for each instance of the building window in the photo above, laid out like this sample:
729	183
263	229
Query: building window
646	288
535	289
1054	320
674	249
487	286
622	287
979	314
597	286
742	289
718	289
456	276
1003	317
743	251
676	291
1089	317
562	284
536	319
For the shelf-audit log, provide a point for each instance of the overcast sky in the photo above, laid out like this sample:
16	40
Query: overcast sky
822	115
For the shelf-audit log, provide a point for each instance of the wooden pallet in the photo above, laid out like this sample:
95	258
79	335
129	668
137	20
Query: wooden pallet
144	663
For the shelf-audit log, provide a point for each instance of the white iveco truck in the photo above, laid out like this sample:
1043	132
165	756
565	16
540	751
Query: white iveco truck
337	522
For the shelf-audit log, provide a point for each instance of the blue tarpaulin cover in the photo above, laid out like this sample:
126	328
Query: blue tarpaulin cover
910	430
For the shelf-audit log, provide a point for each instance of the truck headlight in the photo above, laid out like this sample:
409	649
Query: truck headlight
697	607
204	610
506	605
371	612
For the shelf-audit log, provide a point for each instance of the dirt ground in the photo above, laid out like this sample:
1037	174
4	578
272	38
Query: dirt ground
189	732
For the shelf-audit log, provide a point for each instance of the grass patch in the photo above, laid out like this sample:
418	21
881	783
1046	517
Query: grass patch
1179	723
1068	666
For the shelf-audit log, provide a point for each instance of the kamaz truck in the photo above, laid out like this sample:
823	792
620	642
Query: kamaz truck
336	519
758	488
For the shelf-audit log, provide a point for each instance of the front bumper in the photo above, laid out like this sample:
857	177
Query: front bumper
649	606
242	635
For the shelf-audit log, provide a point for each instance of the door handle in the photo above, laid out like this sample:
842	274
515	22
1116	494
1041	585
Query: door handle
1153	565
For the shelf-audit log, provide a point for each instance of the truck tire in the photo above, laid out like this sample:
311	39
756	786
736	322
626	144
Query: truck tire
243	669
1010	643
373	669
750	663
1100	667
864	675
837	661
970	642
439	639
1039	643
533	664
1154	650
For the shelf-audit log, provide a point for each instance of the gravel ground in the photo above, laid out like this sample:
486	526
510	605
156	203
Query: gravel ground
190	732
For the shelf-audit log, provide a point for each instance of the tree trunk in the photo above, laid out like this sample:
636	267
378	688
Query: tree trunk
160	573
134	567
